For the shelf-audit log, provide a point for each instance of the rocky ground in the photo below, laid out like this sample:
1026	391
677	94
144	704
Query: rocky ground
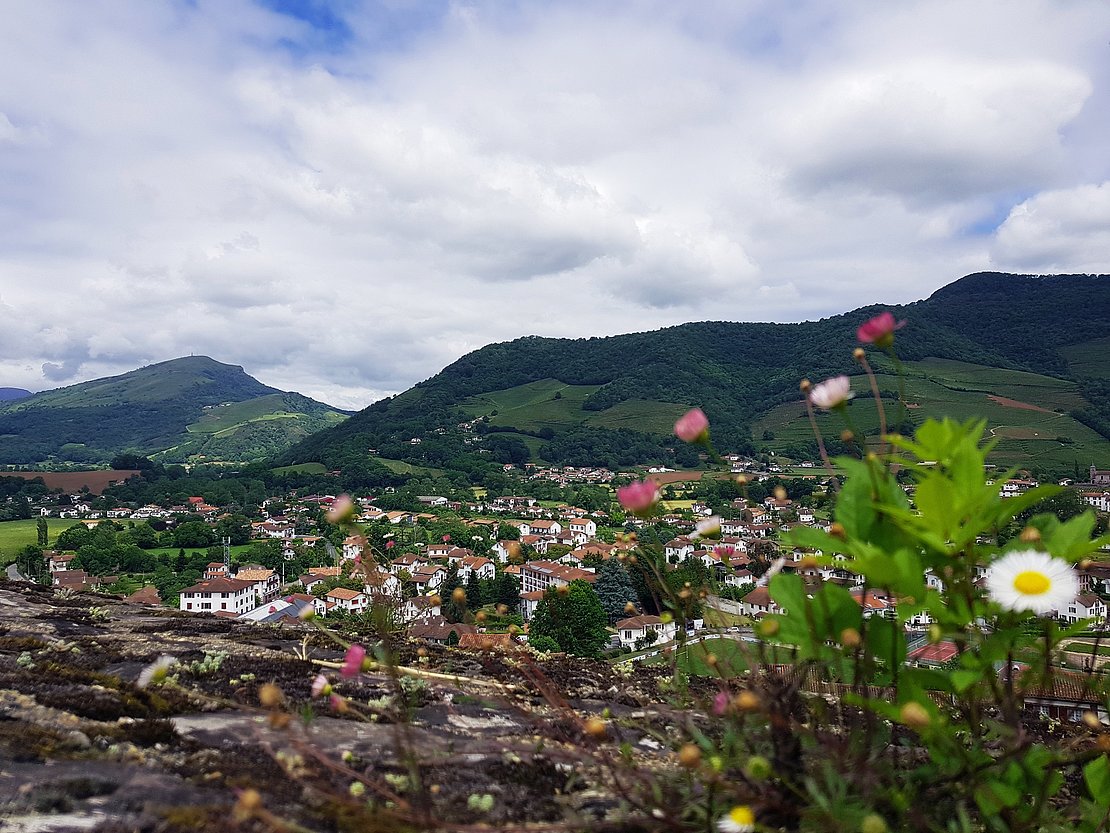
457	740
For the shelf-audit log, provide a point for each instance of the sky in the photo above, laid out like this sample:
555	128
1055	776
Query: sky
344	197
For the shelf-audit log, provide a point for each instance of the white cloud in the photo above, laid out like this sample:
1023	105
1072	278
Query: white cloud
1055	231
345	218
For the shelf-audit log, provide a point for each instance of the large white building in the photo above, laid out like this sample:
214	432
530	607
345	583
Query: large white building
219	594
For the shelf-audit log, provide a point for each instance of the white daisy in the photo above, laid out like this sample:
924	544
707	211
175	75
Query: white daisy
1031	580
831	393
739	819
708	527
156	672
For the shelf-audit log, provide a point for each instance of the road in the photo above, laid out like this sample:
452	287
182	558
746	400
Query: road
14	574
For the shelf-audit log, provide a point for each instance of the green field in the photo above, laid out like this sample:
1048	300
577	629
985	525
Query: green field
552	404
302	468
1029	422
1088	648
401	467
223	420
15	535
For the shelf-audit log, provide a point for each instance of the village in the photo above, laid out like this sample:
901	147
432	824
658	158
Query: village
509	551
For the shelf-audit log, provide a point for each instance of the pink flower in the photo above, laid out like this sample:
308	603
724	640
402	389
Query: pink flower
692	427
341	510
879	330
638	498
725	550
389	544
831	393
320	686
337	703
352	662
446	538
720	703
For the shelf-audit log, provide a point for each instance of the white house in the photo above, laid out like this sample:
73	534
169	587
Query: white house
758	603
353	601
583	529
476	565
267	583
428	579
680	547
381	583
219	594
1085	606
636	627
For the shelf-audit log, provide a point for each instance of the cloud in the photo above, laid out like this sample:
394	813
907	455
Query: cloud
1062	230
345	200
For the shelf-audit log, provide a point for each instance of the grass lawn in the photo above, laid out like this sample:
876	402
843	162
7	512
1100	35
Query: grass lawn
401	467
15	535
722	619
1088	648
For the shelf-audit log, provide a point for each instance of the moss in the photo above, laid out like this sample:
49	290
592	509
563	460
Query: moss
19	644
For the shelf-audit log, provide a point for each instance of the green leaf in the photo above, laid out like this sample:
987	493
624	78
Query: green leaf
789	591
1097	776
963	680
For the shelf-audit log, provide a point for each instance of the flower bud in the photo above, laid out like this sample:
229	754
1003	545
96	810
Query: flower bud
458	596
757	768
846	436
270	696
595	727
768	627
746	701
1030	535
805	385
836	530
873	822
357	789
689	756
914	715
859	354
1090	719
711	660
936	634
850	638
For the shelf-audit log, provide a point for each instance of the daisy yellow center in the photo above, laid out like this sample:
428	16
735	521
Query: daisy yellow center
742	815
1032	583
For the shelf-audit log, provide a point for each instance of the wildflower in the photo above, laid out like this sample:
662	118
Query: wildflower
156	671
692	427
873	823
320	686
1031	580
879	330
352	662
390	544
725	550
341	510
720	703
832	393
708	528
337	703
739	819
638	498
446	538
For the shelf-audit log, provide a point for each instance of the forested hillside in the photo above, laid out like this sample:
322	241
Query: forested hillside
735	371
187	406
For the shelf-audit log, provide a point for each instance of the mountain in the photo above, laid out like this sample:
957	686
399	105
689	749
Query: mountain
8	394
1030	353
187	409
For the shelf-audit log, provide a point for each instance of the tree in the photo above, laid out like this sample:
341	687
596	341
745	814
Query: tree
31	564
43	532
193	534
614	589
473	591
235	527
573	618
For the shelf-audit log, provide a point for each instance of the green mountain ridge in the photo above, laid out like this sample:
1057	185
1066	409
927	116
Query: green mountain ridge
612	400
187	409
